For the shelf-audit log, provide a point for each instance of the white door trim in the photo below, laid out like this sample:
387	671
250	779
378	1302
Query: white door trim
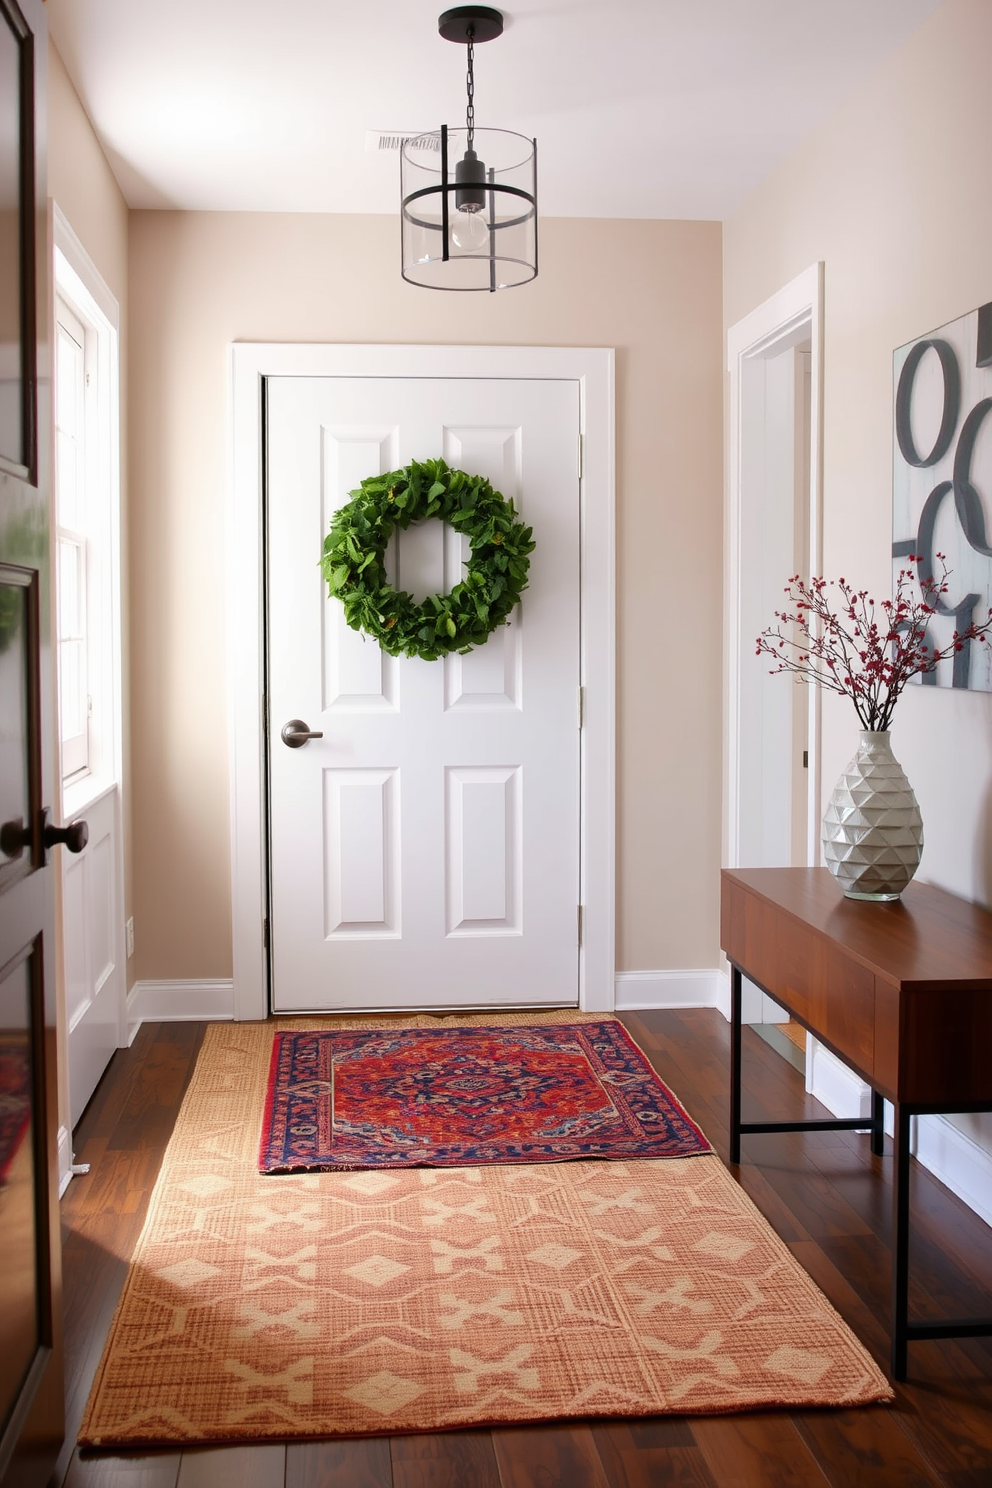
592	369
790	315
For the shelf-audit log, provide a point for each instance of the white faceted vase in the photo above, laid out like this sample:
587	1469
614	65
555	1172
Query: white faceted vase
872	829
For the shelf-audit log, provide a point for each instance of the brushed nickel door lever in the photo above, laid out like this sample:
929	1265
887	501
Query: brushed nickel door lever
295	733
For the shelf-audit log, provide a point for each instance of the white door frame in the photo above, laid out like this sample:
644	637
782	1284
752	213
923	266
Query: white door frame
794	313
592	369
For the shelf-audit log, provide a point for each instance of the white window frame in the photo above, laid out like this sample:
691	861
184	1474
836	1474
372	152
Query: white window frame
79	285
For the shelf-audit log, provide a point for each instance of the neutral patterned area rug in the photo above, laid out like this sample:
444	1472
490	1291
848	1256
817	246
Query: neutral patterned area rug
422	1299
466	1097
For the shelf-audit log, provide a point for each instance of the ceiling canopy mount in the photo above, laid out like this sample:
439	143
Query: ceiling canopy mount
475	23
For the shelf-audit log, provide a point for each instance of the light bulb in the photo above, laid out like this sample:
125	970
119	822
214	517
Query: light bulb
469	231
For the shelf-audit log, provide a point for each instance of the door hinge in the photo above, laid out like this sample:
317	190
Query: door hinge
265	933
582	455
581	705
579	912
805	759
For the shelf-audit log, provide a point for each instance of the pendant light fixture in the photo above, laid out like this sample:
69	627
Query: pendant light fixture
469	196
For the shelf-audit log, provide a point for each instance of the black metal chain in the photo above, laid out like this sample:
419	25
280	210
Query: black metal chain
470	87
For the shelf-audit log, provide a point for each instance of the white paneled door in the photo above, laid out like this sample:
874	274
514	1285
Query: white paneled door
424	852
92	914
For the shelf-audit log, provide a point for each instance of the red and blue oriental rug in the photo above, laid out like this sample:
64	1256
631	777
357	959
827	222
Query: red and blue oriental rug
466	1097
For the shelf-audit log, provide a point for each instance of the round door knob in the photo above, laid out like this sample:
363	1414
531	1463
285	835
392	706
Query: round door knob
75	836
295	733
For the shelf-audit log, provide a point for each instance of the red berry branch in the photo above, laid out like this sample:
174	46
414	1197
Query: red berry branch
849	648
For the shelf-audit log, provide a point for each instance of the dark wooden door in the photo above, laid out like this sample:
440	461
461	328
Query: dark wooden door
31	1386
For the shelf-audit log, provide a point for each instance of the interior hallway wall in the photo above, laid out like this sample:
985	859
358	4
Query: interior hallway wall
82	183
652	290
892	194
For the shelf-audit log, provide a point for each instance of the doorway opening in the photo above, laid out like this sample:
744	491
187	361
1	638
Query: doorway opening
775	365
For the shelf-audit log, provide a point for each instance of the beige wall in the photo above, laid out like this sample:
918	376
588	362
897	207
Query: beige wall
82	183
893	195
650	289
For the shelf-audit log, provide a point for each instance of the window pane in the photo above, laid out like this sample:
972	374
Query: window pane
69	395
73	700
81	602
67	479
70	560
72	682
68	374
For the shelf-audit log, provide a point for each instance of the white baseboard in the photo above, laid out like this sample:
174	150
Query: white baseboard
639	990
179	1002
957	1160
943	1149
835	1085
65	1159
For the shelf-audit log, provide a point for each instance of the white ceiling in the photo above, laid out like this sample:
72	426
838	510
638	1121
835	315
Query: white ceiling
641	108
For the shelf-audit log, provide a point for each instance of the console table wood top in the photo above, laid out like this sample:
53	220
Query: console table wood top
900	991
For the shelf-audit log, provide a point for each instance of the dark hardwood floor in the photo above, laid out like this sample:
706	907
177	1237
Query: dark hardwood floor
825	1194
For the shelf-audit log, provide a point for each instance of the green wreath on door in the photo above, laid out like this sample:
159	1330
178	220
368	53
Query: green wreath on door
353	560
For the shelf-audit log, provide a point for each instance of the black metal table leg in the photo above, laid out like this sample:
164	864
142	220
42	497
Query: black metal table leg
878	1123
900	1242
735	1064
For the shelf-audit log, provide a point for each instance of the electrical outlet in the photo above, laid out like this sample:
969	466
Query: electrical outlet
129	937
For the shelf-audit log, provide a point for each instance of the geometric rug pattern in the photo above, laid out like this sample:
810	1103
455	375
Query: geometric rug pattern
347	1303
467	1096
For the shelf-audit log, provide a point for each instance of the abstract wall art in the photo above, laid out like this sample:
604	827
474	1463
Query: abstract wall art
942	480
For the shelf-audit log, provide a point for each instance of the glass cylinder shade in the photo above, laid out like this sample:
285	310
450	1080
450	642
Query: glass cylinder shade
469	213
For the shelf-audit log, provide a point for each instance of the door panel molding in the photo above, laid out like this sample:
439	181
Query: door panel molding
93	951
592	369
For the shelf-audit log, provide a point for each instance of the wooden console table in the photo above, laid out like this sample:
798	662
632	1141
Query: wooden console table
901	992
